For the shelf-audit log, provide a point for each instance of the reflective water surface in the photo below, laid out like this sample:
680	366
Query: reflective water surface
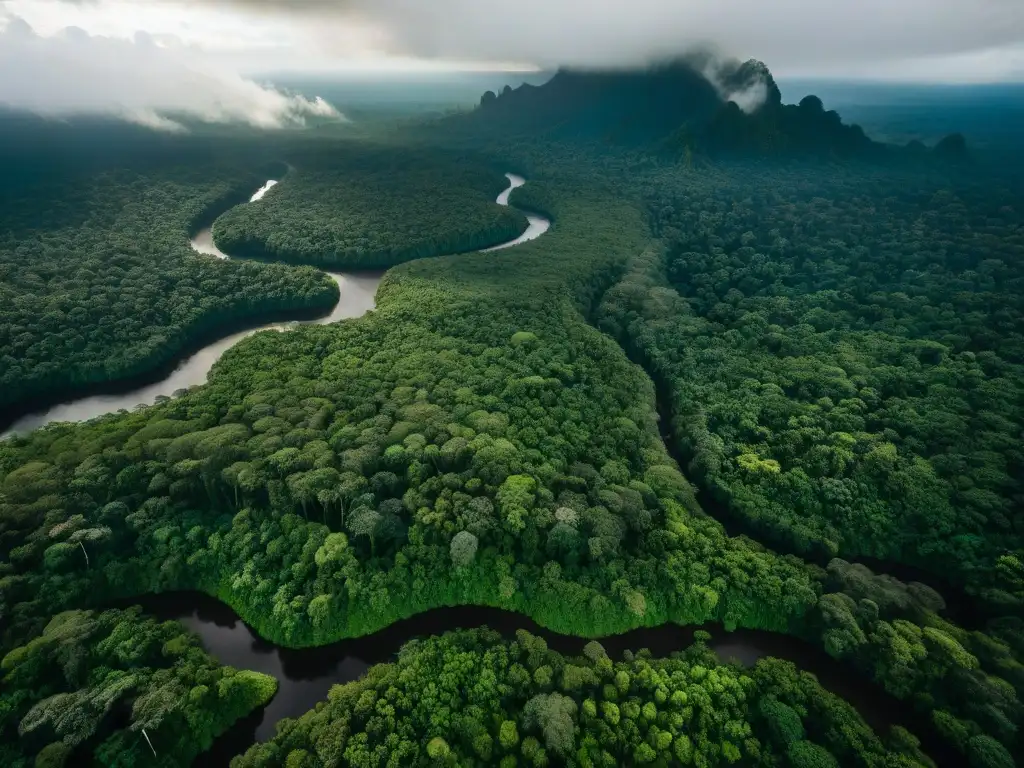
305	676
538	224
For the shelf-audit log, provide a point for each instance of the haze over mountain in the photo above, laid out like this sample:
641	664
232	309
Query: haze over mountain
697	104
144	58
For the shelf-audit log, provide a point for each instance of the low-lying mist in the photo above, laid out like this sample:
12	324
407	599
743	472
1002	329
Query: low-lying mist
137	80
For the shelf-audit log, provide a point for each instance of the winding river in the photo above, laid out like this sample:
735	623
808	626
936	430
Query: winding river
538	225
305	676
357	293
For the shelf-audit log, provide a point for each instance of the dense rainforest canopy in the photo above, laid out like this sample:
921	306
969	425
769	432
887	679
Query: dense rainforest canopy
126	688
97	278
843	358
835	346
520	704
98	282
360	207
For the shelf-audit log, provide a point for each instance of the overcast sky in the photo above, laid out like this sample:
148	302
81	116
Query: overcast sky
195	54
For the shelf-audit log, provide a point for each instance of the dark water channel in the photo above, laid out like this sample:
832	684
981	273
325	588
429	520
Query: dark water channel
306	675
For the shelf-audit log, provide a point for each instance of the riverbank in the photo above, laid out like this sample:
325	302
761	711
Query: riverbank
306	676
177	366
536	384
172	370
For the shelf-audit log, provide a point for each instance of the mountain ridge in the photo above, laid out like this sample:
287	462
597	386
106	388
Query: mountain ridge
689	105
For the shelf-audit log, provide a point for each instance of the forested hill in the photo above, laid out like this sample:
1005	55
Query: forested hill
629	107
688	105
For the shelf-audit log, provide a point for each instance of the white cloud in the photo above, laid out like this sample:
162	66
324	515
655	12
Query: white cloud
844	37
937	40
149	80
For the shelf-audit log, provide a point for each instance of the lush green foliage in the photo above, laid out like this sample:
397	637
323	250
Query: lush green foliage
843	381
124	686
968	683
365	207
843	361
362	450
98	281
463	444
490	702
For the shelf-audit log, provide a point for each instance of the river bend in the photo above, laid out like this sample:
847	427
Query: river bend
306	675
357	297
